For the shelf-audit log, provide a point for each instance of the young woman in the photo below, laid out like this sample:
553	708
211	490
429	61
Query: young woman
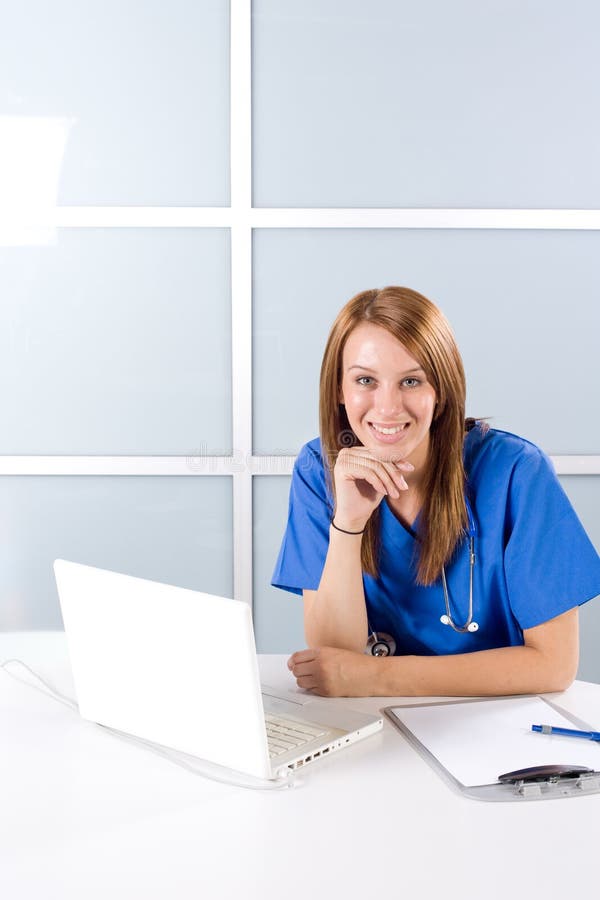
435	556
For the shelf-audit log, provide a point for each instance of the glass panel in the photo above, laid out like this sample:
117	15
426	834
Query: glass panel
175	530
584	493
395	103
278	615
108	103
522	303
117	341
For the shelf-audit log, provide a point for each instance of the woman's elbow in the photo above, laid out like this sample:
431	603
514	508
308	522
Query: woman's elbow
556	643
319	637
558	683
559	675
314	640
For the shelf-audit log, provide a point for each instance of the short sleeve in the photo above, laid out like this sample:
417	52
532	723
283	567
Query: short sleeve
306	539
550	563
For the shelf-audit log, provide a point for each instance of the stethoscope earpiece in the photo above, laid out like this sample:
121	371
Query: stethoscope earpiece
447	619
472	626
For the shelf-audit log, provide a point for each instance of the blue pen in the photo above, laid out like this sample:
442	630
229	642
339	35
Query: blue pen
569	732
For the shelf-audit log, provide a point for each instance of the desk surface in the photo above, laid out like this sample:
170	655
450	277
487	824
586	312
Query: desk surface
87	815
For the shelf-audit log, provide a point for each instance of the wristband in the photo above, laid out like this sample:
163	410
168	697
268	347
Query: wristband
343	530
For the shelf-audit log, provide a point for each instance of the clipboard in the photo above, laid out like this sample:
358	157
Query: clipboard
471	743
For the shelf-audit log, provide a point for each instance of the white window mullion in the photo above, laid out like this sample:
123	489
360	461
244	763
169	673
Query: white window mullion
526	219
263	217
241	291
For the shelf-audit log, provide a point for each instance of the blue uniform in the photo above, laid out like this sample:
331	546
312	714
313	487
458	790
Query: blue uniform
534	560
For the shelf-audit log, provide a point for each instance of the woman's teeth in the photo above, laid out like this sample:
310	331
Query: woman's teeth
382	430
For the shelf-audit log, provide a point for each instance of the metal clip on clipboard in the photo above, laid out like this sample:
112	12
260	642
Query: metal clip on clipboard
466	722
539	782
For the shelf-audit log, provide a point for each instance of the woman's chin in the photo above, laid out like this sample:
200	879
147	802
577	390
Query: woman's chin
400	450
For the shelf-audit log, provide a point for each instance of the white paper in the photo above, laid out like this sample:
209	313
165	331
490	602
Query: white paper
476	741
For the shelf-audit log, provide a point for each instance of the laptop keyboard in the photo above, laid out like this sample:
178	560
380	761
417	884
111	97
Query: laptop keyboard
288	734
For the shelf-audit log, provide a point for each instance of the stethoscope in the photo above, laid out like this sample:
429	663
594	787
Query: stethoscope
447	619
382	644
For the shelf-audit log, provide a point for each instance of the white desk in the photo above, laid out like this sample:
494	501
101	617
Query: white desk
85	815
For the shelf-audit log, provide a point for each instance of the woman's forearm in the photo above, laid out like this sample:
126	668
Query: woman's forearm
505	670
335	615
546	662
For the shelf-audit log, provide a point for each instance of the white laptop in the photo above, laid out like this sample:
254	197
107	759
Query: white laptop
178	667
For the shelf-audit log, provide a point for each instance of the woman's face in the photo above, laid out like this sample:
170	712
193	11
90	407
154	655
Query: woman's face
389	402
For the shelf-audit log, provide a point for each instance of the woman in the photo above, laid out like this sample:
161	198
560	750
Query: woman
446	544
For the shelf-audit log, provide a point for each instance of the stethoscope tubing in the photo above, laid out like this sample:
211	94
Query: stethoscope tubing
446	619
380	644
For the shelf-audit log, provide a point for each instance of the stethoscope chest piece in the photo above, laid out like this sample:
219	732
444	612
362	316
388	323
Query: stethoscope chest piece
380	644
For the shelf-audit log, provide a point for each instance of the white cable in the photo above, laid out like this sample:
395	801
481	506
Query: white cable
195	769
50	690
170	755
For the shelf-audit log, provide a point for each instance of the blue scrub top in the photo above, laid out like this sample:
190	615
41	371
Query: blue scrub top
534	560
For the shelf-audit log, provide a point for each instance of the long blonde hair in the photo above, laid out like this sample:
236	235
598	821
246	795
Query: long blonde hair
425	333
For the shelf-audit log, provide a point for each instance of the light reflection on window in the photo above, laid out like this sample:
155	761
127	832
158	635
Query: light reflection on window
32	150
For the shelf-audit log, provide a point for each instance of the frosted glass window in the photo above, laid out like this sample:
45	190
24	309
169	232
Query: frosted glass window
523	305
116	103
169	529
117	341
278	615
396	103
584	493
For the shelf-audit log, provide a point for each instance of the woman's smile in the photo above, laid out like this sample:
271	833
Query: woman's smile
389	434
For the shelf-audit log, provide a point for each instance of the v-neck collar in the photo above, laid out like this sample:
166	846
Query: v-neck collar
399	532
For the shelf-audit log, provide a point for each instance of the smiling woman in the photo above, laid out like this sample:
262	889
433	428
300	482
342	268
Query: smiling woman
403	507
399	333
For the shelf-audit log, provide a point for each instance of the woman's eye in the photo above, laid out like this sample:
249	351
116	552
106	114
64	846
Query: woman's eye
411	382
365	380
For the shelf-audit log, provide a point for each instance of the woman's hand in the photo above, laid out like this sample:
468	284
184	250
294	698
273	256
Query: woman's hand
362	481
331	672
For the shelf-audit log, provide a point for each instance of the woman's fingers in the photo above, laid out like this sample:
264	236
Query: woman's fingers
372	478
393	464
302	670
380	481
384	476
302	664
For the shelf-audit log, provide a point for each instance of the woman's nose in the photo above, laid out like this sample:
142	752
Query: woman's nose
388	401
